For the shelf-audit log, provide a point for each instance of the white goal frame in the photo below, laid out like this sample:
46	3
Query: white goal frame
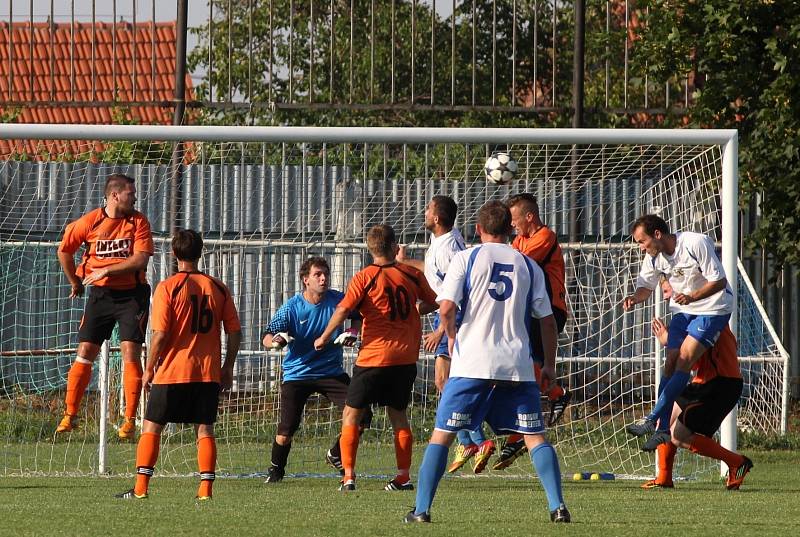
726	138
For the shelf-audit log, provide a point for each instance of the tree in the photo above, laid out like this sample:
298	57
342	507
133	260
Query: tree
743	57
289	69
740	59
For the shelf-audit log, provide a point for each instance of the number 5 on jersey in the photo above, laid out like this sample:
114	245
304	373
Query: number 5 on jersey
503	286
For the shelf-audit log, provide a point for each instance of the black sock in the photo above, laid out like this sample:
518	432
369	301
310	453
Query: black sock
335	449
280	454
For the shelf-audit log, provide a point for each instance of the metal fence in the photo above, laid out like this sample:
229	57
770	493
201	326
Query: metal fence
446	56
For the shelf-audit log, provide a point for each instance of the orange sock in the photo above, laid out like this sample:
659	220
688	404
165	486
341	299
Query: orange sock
666	458
77	380
512	438
703	445
207	464
132	381
555	392
349	446
403	444
146	457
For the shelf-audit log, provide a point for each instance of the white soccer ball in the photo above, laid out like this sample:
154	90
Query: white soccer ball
500	168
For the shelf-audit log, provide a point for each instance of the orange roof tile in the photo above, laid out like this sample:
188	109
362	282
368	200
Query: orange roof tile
63	74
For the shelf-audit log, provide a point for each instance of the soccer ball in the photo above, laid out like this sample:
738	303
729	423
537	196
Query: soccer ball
500	168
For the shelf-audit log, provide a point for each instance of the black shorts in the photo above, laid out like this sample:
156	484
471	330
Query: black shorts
107	307
295	394
704	406
384	386
190	402
536	333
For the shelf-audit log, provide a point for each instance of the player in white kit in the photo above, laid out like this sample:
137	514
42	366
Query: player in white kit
701	304
499	292
446	242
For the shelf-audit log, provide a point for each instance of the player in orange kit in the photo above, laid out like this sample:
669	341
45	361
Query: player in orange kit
184	372
386	294
117	247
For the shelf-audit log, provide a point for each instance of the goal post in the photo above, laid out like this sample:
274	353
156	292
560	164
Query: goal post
265	198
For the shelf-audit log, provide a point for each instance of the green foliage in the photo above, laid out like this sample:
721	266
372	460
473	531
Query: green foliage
742	57
296	72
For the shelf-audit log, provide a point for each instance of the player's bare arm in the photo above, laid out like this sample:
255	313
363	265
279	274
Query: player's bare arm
337	319
447	315
401	257
158	342
134	263
549	345
706	291
640	295
233	342
267	341
661	332
425	308
431	341
67	261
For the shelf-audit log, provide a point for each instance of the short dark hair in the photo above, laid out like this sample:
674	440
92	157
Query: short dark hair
446	210
381	239
116	182
527	201
495	218
651	223
314	261
187	244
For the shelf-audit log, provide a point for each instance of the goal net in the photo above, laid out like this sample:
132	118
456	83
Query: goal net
267	198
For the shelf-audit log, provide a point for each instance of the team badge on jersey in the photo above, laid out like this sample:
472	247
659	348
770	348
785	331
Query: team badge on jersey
113	248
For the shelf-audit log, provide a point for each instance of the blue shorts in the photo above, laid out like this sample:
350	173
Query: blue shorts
508	407
442	349
703	328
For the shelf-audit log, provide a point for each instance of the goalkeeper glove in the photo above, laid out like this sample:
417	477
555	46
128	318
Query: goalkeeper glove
281	339
347	338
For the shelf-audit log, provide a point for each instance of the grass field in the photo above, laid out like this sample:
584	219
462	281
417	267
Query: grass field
766	505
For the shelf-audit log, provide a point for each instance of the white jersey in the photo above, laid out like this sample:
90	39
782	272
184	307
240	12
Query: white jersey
693	264
438	256
498	290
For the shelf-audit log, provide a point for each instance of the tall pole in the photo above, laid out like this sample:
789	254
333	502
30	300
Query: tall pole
178	117
730	254
577	108
578	64
180	62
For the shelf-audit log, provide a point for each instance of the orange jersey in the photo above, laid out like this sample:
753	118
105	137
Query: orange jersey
543	248
108	241
386	296
721	360
189	307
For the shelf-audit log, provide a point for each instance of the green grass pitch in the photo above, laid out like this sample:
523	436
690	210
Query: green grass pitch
766	505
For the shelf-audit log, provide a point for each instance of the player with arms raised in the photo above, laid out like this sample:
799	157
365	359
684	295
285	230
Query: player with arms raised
386	294
184	372
491	377
117	247
701	304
